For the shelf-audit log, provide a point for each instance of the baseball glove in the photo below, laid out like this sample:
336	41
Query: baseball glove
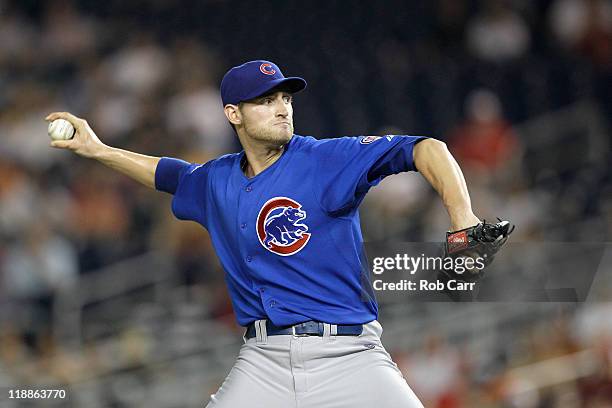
473	249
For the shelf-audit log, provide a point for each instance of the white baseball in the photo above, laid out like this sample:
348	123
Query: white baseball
61	129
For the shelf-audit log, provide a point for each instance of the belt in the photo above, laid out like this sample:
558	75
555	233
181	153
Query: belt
309	328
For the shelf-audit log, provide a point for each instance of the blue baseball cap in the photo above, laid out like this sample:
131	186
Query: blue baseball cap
256	78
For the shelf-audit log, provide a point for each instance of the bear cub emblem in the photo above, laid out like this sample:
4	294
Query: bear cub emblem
285	228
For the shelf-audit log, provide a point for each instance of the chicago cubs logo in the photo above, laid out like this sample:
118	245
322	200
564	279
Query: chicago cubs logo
266	68
279	226
368	139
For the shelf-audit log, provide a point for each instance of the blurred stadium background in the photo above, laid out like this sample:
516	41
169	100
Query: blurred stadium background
104	294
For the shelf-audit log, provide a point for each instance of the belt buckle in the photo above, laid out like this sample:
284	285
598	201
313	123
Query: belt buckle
296	334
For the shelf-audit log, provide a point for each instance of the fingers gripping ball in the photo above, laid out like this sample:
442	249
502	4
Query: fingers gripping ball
61	129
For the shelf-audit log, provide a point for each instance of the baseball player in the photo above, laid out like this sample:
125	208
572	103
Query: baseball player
283	218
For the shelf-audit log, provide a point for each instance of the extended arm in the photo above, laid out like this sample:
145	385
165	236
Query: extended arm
438	166
85	143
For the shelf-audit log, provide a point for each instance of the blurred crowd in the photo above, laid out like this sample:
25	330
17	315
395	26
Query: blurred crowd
145	74
555	370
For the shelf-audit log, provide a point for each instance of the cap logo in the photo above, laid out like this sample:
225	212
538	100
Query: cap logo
266	68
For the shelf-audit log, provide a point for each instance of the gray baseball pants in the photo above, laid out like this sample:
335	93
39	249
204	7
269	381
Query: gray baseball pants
287	371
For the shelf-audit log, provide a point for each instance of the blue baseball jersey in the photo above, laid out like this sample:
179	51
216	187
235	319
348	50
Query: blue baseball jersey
289	238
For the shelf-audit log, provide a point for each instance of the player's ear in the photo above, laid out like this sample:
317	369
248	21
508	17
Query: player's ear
233	114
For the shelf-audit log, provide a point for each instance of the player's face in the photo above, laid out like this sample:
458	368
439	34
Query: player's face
268	118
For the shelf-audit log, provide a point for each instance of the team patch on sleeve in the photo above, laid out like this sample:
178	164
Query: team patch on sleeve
368	139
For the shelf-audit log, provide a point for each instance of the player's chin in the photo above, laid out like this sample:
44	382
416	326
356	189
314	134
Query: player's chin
275	136
283	134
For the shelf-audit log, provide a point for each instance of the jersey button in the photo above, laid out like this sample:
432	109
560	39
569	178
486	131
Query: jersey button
272	303
243	225
249	258
249	189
